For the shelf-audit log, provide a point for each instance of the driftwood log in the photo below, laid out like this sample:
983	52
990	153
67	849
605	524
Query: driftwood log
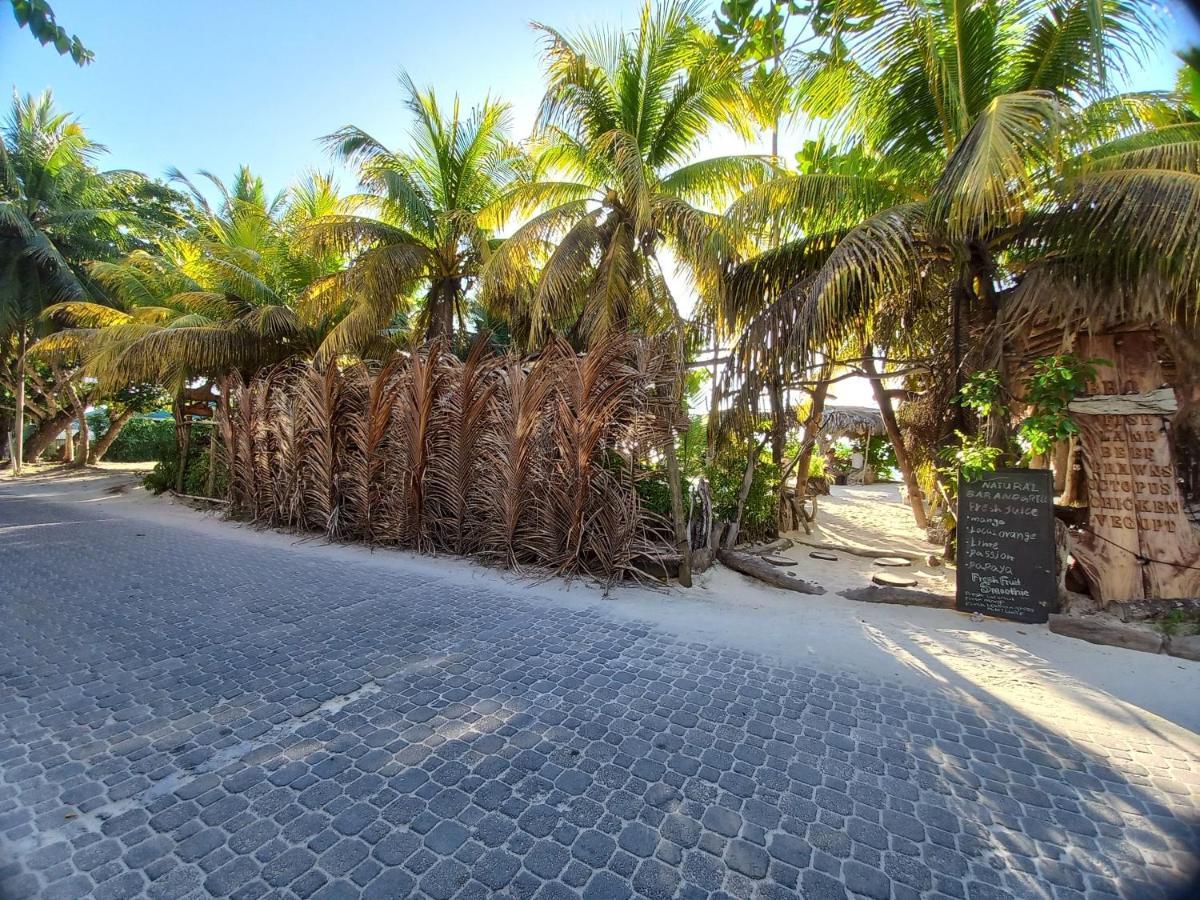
900	596
767	549
868	552
756	567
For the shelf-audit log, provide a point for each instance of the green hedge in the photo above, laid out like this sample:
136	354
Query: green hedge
143	440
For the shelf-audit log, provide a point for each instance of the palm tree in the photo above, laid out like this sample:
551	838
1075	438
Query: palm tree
56	211
221	295
975	132
422	247
618	183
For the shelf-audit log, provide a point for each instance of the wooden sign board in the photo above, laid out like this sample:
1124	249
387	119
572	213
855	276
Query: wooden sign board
1006	545
1139	542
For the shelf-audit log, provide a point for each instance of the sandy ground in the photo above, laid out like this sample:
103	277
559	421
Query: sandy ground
1065	684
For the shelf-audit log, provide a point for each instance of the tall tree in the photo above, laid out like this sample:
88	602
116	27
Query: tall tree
620	195
972	126
419	239
56	211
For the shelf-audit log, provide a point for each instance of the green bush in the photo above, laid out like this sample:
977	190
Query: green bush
725	480
654	491
816	465
143	440
881	457
162	476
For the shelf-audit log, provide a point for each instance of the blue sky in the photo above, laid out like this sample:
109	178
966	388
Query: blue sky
214	84
219	83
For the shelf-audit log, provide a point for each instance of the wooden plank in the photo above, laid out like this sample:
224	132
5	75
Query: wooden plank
1160	401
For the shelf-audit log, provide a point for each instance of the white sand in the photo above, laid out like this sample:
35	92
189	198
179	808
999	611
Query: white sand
1065	684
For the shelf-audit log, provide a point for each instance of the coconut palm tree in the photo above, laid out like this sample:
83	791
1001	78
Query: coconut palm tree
619	193
977	135
417	239
56	211
220	295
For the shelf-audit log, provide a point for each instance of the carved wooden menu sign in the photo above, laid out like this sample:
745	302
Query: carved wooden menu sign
1006	545
1140	543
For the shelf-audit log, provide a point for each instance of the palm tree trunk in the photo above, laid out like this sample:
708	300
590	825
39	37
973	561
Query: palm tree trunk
210	484
735	526
84	437
714	400
903	461
105	441
778	420
19	441
183	438
812	428
683	543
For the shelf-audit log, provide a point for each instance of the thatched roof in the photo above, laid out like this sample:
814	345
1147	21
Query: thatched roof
851	421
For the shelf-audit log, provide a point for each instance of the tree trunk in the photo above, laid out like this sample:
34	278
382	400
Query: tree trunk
884	400
682	543
105	441
84	437
1061	459
224	421
812	428
778	421
19	420
747	482
48	429
183	439
714	402
67	454
866	466
756	567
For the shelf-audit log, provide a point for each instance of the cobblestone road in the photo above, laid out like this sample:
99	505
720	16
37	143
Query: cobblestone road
184	717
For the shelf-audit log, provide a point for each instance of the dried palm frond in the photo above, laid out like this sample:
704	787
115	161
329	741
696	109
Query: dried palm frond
525	463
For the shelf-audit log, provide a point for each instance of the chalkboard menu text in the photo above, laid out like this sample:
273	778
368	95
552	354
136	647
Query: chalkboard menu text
1006	545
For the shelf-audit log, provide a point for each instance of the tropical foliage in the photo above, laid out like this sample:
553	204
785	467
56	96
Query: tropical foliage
617	185
491	314
419	234
983	175
57	210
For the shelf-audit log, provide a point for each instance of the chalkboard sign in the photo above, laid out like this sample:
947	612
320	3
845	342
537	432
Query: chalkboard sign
1006	545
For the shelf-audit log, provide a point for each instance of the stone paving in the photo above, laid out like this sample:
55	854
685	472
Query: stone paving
185	718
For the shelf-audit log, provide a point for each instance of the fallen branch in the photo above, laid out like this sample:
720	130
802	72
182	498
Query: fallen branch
900	596
777	544
756	567
195	497
868	552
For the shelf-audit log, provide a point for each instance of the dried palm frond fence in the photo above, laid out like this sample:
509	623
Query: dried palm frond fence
521	463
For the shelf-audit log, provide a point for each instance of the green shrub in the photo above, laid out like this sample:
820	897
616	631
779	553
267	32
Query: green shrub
881	457
143	440
162	476
816	465
654	491
725	480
